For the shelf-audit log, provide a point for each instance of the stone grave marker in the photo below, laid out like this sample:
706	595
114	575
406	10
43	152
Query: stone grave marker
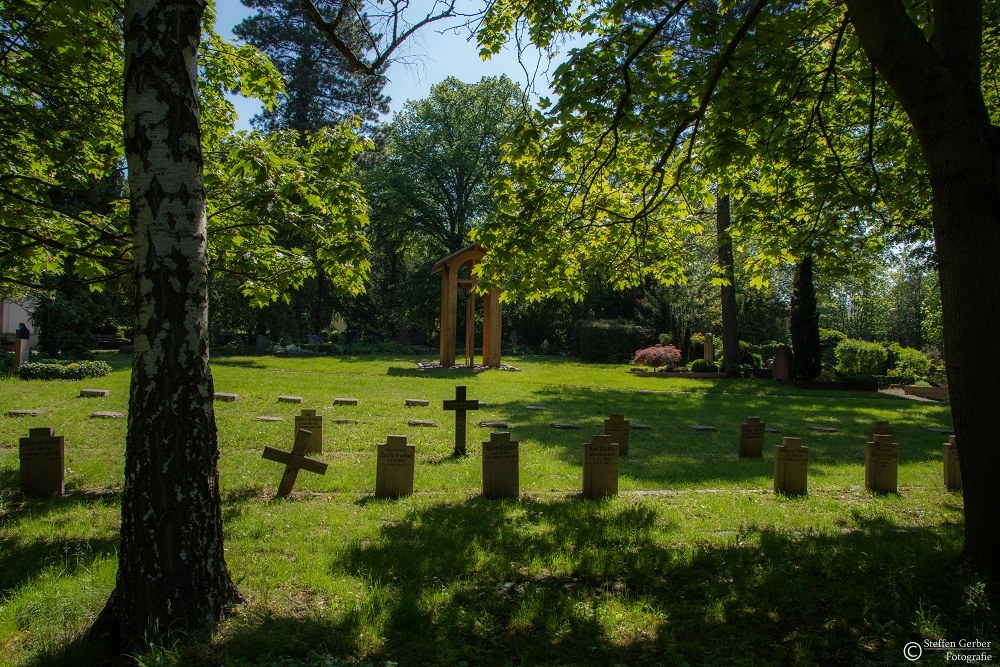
500	467
394	468
43	463
345	401
289	399
23	413
494	423
416	402
952	471
294	461
824	429
781	370
460	404
535	408
226	398
881	464
881	428
95	393
709	348
791	464
106	415
617	427
564	426
702	427
600	468
269	418
752	438
640	427
341	420
313	423
22	347
421	422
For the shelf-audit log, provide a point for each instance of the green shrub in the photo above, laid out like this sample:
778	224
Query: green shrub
609	341
910	363
696	350
750	355
6	364
829	339
703	366
70	370
860	358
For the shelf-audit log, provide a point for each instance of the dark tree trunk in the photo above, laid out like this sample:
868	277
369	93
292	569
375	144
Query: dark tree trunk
172	574
938	84
804	323
730	319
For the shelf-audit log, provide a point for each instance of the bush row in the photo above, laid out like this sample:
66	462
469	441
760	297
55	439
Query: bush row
70	370
609	341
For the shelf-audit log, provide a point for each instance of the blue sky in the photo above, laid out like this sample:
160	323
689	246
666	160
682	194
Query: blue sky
432	56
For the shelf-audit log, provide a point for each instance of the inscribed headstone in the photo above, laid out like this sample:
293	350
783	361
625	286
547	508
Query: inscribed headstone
952	471
881	428
95	393
394	468
617	427
791	464
500	467
312	422
225	397
345	401
289	399
881	464
709	348
752	438
416	402
42	456
600	467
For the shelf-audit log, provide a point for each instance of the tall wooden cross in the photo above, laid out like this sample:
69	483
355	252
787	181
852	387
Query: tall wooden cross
294	461
460	404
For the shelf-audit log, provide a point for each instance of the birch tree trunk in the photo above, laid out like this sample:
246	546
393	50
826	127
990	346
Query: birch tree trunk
938	83
172	573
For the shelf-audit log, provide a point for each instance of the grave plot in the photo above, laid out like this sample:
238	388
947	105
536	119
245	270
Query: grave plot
294	461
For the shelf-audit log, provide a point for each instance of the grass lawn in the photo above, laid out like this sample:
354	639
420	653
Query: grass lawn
695	562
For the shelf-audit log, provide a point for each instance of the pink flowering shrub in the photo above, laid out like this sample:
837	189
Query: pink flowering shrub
658	355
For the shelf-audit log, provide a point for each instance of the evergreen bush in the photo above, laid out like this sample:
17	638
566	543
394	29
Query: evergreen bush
609	341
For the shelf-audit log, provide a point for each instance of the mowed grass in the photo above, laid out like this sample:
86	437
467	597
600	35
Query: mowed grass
695	562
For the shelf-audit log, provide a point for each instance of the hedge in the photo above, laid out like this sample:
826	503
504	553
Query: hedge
609	341
72	370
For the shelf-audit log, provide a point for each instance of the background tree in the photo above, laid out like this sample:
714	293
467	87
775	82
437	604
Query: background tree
804	322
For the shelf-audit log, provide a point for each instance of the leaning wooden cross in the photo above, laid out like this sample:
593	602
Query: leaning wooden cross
460	404
294	461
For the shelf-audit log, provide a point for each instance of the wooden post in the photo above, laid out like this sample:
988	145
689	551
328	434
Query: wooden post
294	461
449	307
952	472
491	329
470	327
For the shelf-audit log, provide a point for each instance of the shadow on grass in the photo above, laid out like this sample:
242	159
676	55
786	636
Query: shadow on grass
582	583
26	558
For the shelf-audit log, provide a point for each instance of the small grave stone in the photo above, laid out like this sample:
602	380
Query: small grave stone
416	402
823	429
600	468
106	415
942	431
460	405
564	426
881	464
709	348
294	461
640	427
309	421
617	427
268	418
289	399
771	429
952	471
345	401
95	393
23	413
394	468
752	438
791	463
22	347
534	408
500	467
702	427
881	428
422	422
260	344
226	398
493	423
42	458
341	420
782	368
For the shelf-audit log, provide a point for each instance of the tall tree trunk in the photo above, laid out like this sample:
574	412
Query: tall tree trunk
730	318
938	83
804	323
172	574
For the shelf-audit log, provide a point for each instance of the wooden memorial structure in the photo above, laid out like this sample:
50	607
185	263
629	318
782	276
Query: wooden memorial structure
450	267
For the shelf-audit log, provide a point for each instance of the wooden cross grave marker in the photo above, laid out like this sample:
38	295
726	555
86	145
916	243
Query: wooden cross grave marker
460	404
294	461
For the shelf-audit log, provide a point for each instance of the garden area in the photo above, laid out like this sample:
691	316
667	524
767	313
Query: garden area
696	561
